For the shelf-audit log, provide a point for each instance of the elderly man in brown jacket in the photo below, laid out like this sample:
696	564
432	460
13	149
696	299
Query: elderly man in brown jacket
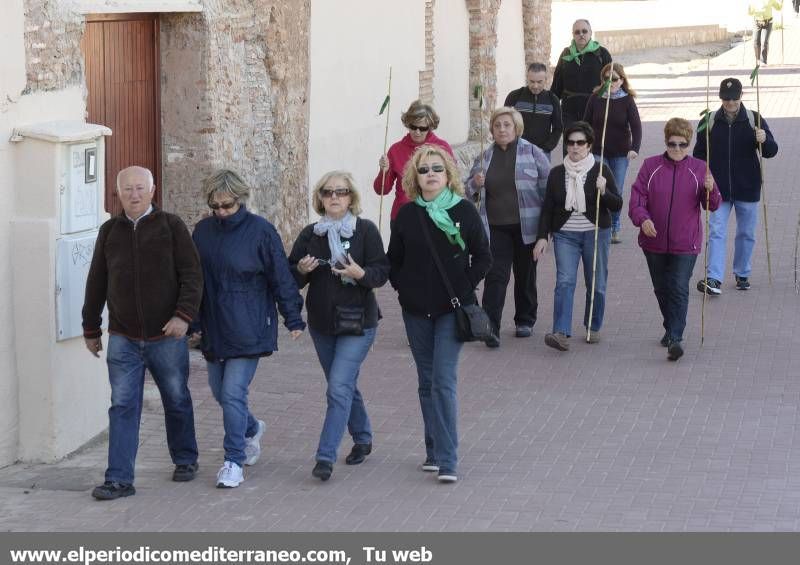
146	269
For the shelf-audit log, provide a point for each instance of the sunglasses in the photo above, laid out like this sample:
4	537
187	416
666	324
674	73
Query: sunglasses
578	142
580	32
224	205
675	144
615	79
424	169
729	99
330	263
423	129
329	192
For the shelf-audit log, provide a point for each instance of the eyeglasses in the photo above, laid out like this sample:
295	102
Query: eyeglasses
580	31
578	142
423	129
424	169
329	192
223	205
675	144
615	79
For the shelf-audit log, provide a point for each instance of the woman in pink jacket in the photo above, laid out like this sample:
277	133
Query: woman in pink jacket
666	200
420	120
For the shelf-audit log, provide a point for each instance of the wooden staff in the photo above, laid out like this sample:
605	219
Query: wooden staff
708	203
796	248
782	26
607	87
387	104
478	95
763	187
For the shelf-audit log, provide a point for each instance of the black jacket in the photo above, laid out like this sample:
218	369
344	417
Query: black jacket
413	274
326	290
146	276
573	83
541	114
554	216
734	155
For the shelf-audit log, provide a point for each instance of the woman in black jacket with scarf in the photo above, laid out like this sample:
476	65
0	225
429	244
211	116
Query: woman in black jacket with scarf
457	235
341	258
568	214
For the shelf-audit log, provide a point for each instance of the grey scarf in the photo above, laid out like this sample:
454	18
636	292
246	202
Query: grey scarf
336	230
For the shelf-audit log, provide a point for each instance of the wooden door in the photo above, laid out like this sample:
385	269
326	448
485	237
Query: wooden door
122	69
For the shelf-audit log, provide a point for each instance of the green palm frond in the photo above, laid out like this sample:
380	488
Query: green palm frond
754	74
384	105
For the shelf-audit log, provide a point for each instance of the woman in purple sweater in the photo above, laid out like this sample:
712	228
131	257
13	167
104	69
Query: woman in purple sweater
665	204
624	135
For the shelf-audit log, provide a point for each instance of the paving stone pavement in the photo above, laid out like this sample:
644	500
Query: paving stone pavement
606	437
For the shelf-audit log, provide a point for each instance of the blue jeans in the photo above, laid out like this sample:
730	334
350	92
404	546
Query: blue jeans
569	249
436	350
670	275
167	360
229	380
341	358
746	221
619	167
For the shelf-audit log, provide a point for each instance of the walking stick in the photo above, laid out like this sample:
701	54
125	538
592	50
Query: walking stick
708	201
478	95
796	247
607	89
387	103
761	167
782	36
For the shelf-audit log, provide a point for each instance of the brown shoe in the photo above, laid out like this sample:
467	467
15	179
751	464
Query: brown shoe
557	341
593	337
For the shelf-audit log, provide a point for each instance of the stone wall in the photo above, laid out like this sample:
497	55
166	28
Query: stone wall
234	94
621	41
53	58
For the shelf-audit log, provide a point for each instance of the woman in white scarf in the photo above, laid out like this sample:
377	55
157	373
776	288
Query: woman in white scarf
341	259
568	215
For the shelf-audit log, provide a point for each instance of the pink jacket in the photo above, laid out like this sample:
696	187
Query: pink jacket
399	154
671	194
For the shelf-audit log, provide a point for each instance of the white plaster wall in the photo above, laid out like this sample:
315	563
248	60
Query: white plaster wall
510	49
451	89
351	47
12	82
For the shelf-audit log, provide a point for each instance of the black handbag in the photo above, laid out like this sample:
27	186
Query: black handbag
349	320
472	322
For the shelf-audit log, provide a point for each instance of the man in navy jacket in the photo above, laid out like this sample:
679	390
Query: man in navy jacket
736	135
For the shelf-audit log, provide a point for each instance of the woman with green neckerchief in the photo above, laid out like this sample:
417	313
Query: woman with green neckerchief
437	210
578	72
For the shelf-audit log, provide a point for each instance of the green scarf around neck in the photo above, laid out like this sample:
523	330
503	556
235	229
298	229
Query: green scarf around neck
575	55
437	210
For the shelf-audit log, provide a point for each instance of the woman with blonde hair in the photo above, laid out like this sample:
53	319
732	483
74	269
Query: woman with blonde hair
245	274
509	181
440	223
341	259
420	120
623	137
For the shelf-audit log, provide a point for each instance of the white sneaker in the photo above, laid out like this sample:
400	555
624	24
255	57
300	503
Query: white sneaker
230	475
252	445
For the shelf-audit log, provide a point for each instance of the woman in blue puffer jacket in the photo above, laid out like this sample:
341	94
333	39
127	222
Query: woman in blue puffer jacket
666	199
246	273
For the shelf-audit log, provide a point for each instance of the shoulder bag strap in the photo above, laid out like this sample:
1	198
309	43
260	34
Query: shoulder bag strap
454	301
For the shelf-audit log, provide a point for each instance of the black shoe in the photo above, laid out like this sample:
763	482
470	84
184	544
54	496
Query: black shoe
713	287
674	351
493	341
665	340
185	473
430	466
524	331
358	453
322	470
742	283
110	491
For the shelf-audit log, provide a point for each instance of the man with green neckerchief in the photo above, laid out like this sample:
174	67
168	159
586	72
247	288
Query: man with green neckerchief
578	72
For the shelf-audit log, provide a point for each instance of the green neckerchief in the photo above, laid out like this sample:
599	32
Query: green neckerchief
575	55
437	208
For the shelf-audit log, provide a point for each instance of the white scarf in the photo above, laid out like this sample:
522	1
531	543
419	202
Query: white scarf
574	179
336	230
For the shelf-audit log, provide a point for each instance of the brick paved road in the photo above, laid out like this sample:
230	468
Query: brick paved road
606	437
